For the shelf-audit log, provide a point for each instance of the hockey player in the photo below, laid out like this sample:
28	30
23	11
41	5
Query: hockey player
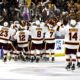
15	26
78	57
50	39
78	53
71	43
5	39
50	42
22	37
37	34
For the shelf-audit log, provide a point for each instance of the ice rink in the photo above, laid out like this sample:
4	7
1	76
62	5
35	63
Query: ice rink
37	71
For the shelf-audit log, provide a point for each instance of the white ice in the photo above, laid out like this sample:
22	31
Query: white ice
37	71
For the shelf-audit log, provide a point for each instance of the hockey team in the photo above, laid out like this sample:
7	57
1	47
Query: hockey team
35	41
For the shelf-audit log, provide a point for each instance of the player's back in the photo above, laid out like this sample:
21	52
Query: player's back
50	34
37	34
71	36
22	37
5	34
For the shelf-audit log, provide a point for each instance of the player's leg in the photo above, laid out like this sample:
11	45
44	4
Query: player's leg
28	51
11	48
43	51
15	55
26	54
52	55
39	48
78	57
5	51
52	51
48	52
68	58
32	52
21	54
37	55
73	55
5	56
47	55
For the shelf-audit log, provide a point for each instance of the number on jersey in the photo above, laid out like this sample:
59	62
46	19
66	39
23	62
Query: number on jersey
51	33
4	33
73	36
38	33
22	37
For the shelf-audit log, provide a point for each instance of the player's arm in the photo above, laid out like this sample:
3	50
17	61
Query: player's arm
59	26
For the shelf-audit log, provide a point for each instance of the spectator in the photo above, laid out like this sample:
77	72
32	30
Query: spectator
1	20
1	7
25	13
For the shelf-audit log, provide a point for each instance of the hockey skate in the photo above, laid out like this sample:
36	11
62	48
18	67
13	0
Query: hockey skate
37	60
73	67
53	59
68	66
4	59
78	64
33	59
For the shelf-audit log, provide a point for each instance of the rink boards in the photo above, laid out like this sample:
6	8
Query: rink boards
59	47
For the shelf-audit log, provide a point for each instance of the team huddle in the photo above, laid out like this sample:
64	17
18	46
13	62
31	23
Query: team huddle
36	41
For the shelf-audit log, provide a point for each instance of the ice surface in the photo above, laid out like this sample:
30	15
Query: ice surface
37	71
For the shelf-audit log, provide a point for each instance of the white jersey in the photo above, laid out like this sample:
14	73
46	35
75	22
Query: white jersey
78	25
37	34
6	34
22	38
71	36
50	35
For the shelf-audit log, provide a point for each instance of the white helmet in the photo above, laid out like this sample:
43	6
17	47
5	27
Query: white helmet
5	24
37	22
73	22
